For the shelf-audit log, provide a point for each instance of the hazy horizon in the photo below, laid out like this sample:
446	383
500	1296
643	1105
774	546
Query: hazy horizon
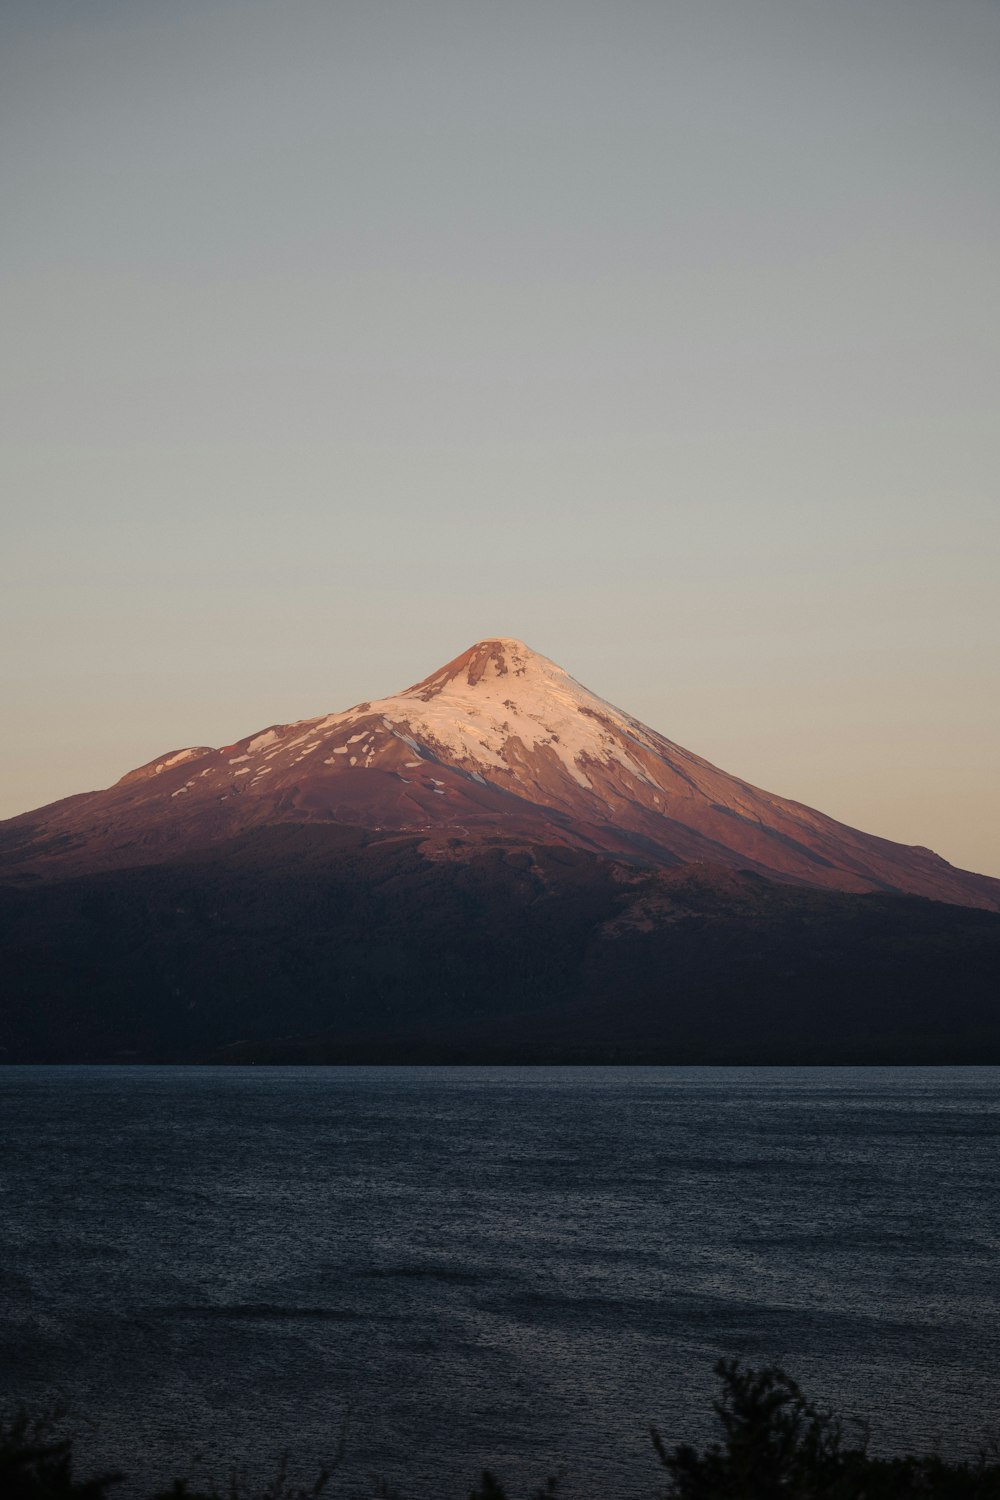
665	338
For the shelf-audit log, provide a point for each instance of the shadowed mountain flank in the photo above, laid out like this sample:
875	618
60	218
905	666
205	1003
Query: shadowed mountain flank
321	943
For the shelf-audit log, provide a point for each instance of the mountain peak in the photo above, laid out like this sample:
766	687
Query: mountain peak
495	657
498	707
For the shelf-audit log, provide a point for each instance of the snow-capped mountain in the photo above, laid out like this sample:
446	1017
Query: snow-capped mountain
500	745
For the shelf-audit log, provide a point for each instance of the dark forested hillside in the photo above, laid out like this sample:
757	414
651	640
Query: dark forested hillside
325	943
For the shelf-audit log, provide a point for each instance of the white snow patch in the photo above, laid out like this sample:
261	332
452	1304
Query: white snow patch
179	792
354	760
237	758
175	760
244	771
312	726
534	701
260	740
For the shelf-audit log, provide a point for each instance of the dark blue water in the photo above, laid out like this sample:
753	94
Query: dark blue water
504	1266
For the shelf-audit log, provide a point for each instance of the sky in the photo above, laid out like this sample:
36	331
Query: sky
662	336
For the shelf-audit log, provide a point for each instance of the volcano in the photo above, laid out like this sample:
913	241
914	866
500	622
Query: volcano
500	745
494	865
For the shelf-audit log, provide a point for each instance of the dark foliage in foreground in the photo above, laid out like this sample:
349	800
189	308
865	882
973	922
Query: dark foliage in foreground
35	1461
776	1445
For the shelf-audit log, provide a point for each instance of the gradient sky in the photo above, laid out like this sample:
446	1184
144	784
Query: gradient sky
663	336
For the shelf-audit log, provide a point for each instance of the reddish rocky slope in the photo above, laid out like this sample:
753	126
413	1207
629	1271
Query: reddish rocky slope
500	744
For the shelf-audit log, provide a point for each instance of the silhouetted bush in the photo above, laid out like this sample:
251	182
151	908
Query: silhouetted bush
37	1464
776	1445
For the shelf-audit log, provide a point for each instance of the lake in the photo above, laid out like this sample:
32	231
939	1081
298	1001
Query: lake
514	1267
